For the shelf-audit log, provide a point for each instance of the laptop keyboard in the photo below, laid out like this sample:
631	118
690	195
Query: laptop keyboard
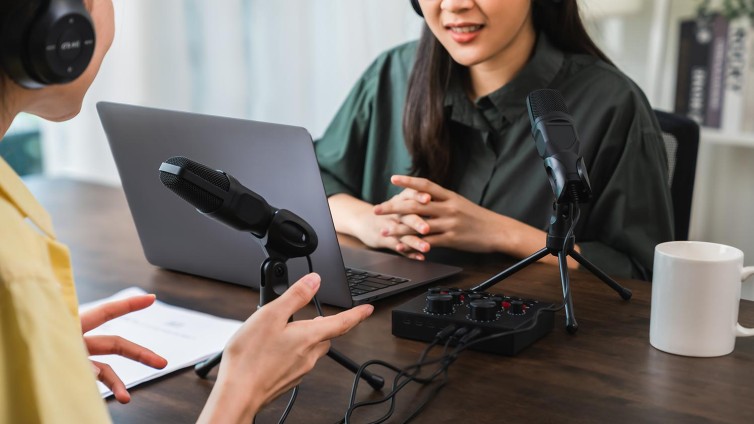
361	282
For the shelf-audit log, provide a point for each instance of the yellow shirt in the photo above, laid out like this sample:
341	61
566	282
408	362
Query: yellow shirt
45	375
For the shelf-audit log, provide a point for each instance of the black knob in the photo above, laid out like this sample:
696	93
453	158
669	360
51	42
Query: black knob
440	304
516	308
474	296
483	310
498	301
457	295
434	290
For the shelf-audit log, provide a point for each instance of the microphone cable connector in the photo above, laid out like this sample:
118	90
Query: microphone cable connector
458	334
445	332
471	335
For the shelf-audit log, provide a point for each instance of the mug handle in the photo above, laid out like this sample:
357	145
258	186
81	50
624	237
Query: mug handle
742	331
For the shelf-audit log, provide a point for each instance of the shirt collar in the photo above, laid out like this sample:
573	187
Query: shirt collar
19	196
510	100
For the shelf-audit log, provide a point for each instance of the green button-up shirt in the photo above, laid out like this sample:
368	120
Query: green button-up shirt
495	163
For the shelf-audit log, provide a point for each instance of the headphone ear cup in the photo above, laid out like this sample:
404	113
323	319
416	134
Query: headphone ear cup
14	25
47	42
417	8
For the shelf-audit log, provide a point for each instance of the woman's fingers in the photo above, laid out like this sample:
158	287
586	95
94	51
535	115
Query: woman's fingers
416	243
116	345
421	185
406	225
108	377
101	314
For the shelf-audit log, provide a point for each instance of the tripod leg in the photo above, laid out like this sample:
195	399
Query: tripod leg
203	368
571	324
622	291
512	270
374	380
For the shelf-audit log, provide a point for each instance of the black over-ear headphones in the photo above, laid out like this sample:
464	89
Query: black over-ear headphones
418	10
45	42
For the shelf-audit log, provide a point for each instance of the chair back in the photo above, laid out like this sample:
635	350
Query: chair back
681	137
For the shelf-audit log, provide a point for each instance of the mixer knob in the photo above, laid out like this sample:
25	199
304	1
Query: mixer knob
483	310
439	304
498	301
457	295
473	296
516	308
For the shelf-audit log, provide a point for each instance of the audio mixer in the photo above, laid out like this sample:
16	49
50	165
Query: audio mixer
423	317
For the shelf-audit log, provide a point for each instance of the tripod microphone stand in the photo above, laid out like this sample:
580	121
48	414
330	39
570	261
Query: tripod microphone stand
557	143
560	243
280	247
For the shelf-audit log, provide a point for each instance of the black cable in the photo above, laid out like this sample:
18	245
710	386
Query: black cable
447	331
572	227
465	341
428	398
289	406
353	405
446	360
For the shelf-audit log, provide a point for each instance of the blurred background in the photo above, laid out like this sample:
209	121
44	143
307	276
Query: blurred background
293	62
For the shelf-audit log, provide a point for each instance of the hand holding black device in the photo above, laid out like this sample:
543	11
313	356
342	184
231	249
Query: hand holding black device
218	195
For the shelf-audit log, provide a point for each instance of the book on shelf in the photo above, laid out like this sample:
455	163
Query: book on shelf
693	74
718	25
700	81
748	84
738	72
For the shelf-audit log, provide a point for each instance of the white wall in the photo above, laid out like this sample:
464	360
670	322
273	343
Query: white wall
284	61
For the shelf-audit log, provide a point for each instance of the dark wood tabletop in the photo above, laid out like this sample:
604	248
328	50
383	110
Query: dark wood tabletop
606	372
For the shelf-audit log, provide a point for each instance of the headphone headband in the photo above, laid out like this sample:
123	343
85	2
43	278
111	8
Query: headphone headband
417	9
46	42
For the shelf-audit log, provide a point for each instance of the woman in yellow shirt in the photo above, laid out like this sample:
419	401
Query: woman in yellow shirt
45	375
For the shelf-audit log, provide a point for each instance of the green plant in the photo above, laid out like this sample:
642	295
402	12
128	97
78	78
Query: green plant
731	9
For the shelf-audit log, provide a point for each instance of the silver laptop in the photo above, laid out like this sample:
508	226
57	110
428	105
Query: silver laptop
275	161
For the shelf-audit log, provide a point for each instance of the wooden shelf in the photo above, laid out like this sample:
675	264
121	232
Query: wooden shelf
714	136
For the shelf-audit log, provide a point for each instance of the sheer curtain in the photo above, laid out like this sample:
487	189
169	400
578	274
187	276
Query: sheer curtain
284	61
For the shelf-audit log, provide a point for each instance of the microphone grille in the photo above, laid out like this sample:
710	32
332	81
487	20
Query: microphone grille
201	199
545	101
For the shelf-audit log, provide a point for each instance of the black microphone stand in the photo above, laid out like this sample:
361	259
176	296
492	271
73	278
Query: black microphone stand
274	282
561	244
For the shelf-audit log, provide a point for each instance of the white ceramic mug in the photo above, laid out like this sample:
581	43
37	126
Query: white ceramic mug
696	290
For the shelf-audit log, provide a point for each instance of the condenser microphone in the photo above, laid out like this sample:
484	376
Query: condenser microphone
558	144
219	196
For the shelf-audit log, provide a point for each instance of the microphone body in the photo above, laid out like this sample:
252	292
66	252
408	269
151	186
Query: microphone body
219	196
558	143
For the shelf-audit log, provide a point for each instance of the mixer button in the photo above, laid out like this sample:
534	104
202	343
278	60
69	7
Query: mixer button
439	304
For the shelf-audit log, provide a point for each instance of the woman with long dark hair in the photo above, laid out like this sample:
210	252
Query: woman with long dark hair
432	149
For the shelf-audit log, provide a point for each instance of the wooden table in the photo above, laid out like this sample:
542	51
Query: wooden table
607	372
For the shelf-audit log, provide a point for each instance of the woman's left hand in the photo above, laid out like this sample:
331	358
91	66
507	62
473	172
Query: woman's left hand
458	223
453	220
115	345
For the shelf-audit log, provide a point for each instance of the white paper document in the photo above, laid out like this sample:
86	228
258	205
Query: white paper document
182	336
